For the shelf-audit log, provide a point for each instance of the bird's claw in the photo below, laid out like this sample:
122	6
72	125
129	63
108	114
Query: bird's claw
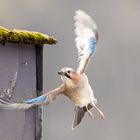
102	116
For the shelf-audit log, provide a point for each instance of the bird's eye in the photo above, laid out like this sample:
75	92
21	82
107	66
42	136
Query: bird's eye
68	71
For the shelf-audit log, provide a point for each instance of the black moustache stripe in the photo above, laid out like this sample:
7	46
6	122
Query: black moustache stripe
67	75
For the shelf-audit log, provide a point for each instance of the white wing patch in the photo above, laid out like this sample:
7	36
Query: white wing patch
86	36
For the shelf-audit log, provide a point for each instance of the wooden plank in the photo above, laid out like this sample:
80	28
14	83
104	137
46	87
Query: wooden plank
18	125
27	85
39	86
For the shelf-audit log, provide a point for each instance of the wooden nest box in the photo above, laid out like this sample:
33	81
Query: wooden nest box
21	61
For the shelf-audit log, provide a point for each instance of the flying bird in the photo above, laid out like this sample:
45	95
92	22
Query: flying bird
75	84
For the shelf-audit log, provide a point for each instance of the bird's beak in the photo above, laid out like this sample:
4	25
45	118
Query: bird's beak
61	73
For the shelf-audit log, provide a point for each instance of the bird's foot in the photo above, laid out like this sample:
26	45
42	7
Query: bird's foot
90	114
102	116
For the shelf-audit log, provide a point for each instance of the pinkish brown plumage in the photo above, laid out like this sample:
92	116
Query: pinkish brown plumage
75	82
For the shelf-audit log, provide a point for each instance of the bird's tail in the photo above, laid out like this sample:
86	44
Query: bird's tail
81	111
79	115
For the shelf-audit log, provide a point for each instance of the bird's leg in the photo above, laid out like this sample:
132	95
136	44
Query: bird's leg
102	116
89	112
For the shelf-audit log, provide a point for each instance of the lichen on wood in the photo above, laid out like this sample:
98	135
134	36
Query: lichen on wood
24	36
8	93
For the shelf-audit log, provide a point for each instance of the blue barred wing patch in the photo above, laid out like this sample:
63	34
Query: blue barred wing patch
40	99
91	45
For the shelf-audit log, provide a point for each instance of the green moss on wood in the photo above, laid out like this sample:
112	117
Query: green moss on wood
24	36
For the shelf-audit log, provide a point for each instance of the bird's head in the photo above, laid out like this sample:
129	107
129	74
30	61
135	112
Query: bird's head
69	76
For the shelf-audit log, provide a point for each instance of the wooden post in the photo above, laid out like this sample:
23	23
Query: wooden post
21	78
39	86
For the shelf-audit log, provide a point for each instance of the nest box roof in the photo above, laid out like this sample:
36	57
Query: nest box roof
24	36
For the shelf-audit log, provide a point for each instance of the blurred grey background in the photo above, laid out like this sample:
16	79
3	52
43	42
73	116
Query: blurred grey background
114	71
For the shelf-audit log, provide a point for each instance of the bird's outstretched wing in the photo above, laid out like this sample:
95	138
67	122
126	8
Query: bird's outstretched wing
44	99
86	38
53	94
5	104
